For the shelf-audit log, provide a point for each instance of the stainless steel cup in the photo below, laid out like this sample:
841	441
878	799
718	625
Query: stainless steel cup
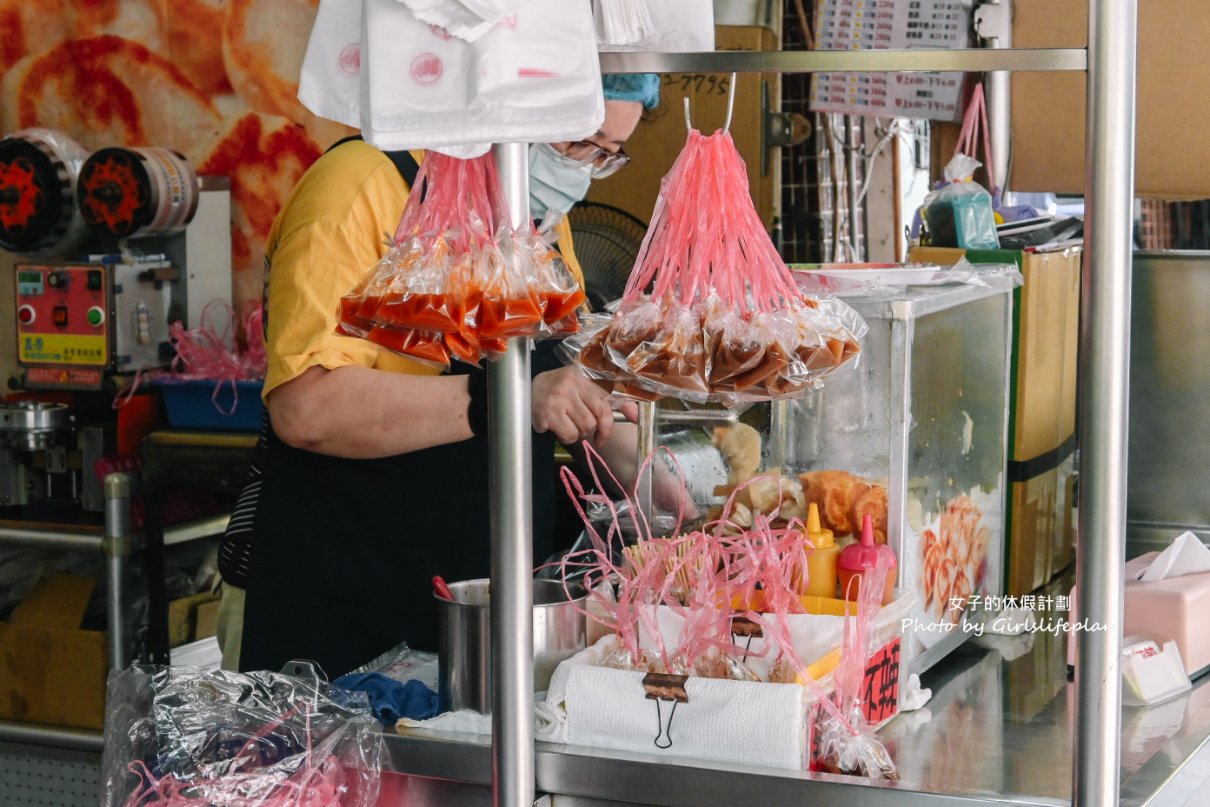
464	665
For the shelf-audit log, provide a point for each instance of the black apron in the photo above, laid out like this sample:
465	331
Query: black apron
339	554
345	550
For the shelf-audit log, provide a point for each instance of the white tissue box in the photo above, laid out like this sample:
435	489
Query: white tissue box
734	722
1152	670
1175	607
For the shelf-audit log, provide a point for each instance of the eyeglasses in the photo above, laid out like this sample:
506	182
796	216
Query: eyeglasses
604	163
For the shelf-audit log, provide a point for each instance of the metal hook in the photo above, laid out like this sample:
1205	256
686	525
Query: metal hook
730	103
688	120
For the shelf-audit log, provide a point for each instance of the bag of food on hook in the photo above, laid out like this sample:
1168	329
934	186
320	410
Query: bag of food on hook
422	299
710	312
459	280
960	213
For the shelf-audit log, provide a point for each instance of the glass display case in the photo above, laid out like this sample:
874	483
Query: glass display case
925	414
915	434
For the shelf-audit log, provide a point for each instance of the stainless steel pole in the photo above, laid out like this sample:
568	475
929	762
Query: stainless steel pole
1104	390
781	433
993	22
511	504
648	412
119	546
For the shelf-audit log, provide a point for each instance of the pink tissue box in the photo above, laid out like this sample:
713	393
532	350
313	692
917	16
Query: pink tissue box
1174	608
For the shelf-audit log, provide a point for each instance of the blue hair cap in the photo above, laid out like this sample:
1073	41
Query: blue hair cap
641	87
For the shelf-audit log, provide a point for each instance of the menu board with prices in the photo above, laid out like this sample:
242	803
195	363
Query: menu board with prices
891	24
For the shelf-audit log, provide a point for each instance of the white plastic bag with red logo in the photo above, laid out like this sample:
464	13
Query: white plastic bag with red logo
534	77
465	19
664	26
330	82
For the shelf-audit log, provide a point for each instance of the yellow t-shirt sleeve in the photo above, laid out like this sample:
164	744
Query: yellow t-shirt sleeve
333	231
312	269
567	250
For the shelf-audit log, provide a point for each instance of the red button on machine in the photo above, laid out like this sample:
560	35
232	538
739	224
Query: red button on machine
26	315
59	315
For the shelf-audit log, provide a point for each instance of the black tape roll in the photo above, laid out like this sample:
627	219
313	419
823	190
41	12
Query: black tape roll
36	204
132	192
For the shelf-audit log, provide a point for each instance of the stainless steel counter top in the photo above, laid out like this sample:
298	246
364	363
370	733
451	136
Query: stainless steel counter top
997	730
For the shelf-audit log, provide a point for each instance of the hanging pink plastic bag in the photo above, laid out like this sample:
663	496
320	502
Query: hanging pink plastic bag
710	312
954	227
420	300
459	280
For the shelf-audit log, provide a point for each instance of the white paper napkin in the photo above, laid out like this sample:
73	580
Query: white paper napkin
736	722
914	696
1186	555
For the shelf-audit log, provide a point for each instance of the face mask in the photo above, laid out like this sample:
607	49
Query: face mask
555	182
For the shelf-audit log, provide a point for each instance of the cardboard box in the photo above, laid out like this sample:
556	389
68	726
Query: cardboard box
52	671
183	618
1048	109
658	140
1041	530
1042	422
1046	319
206	623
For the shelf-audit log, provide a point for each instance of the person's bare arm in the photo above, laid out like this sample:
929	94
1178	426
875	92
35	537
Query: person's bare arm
619	449
362	413
573	408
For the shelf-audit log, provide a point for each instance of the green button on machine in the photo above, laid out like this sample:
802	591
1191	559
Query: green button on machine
95	316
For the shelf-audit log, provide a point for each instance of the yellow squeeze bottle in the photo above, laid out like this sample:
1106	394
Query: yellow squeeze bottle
821	562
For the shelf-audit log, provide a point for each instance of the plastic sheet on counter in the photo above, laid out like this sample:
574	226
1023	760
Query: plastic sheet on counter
886	280
184	736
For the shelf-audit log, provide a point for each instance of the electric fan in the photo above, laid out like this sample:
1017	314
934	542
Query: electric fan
607	241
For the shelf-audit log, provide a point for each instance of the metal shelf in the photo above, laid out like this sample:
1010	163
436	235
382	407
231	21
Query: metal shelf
36	537
839	61
51	736
1011	720
1110	64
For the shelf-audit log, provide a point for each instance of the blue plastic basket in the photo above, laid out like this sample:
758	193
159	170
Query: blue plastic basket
194	405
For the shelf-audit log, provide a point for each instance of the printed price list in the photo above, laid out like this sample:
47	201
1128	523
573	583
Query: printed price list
884	24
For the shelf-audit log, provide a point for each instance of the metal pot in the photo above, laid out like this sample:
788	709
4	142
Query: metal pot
464	676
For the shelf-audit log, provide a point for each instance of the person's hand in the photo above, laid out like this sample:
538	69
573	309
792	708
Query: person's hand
573	408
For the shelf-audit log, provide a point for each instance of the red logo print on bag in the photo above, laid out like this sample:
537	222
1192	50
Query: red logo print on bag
509	22
440	33
427	68
350	59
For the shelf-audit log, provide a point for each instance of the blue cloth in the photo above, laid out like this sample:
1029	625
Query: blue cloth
391	700
642	87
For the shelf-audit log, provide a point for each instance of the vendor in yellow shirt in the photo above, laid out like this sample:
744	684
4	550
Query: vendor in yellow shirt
371	475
